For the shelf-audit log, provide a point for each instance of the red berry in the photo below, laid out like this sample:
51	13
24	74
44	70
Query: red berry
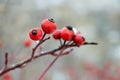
57	34
48	26
35	34
79	39
67	33
6	77
27	42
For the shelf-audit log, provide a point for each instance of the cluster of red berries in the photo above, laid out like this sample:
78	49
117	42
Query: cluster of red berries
67	33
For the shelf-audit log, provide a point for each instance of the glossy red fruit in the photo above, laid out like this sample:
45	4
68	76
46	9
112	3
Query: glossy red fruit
79	39
48	26
35	34
6	77
67	33
57	34
27	42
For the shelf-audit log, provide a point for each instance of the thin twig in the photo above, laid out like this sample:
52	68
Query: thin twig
24	63
6	60
33	57
64	43
90	43
65	53
40	42
60	42
50	65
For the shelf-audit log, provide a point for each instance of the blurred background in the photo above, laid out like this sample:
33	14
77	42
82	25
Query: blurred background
98	21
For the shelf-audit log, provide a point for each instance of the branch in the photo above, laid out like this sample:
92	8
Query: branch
60	49
40	42
6	60
90	43
50	65
22	64
33	57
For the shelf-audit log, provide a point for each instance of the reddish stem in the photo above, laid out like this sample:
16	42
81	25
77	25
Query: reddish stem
40	42
33	56
50	65
6	60
60	42
22	64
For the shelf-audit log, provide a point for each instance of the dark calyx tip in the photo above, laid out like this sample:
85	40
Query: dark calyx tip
52	20
34	32
69	27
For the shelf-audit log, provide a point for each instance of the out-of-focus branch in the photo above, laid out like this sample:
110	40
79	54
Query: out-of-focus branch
50	65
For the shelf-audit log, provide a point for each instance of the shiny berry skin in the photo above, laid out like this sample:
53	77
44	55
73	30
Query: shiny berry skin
79	39
48	26
67	33
35	34
27	42
57	34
